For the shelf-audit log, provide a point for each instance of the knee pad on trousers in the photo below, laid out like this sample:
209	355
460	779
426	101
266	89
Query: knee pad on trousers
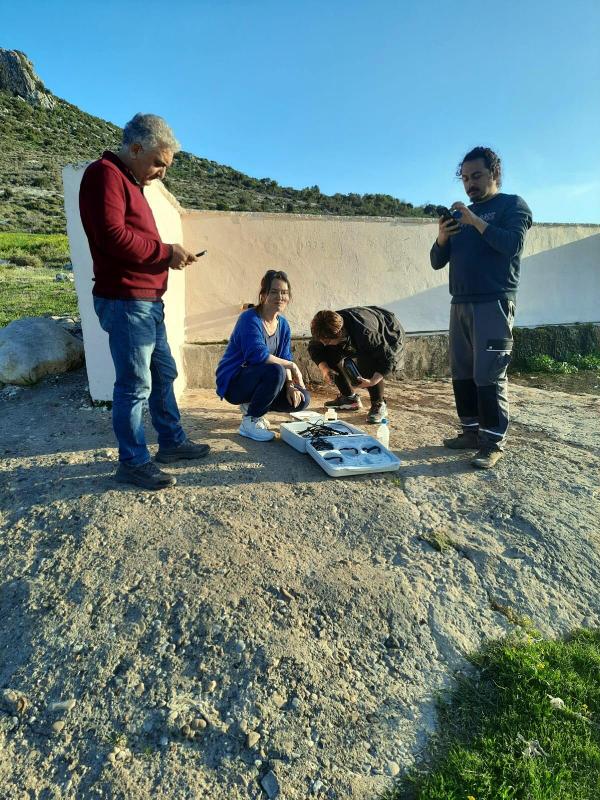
465	395
487	397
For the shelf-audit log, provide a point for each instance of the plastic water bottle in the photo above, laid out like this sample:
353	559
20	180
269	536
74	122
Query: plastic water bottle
383	433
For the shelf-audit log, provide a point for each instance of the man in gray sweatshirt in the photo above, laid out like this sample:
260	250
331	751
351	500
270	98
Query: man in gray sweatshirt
483	243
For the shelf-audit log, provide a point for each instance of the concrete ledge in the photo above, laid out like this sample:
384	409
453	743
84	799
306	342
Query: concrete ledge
426	353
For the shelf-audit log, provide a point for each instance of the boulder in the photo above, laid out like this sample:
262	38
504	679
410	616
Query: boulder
33	347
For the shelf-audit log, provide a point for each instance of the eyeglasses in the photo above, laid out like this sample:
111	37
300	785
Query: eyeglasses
276	293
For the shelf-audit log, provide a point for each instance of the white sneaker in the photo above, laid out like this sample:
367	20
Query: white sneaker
255	428
244	409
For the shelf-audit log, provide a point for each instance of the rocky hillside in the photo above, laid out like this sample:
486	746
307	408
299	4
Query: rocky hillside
41	132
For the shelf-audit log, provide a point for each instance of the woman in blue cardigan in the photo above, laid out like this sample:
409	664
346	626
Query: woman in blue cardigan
256	371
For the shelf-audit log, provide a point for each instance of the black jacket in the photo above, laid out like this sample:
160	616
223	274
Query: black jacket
373	332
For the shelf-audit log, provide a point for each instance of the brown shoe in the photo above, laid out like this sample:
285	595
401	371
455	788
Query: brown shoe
487	457
464	441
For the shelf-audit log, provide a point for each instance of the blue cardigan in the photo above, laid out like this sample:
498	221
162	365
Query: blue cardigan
248	346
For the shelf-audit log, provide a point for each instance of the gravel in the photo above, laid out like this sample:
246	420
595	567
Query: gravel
261	627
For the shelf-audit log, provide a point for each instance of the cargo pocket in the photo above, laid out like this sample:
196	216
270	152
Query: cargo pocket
500	351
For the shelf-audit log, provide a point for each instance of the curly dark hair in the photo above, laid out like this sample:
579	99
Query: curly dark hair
490	159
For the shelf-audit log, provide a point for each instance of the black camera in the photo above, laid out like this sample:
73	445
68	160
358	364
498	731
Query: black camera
445	214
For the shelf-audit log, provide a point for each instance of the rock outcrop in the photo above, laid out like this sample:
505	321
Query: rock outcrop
33	347
18	76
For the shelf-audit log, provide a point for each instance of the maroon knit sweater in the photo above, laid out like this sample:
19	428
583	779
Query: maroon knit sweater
130	261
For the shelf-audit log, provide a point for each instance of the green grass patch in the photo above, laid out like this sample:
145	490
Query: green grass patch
525	726
33	292
35	250
27	283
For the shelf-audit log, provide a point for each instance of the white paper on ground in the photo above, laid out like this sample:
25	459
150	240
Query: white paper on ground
307	416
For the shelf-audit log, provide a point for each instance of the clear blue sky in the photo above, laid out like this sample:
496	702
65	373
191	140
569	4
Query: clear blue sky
375	96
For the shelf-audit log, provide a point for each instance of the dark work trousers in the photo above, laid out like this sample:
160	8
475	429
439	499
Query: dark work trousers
480	351
367	366
263	387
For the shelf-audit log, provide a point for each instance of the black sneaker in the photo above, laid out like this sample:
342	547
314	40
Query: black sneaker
147	476
186	450
345	403
464	441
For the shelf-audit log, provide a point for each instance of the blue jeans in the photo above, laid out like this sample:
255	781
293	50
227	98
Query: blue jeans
263	387
145	371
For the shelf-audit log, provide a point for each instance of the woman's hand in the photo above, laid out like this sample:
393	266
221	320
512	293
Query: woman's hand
296	375
294	395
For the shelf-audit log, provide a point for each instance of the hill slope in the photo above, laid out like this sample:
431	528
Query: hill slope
38	139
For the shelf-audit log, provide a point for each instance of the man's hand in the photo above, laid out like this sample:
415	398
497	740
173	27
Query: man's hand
181	257
293	395
467	217
366	383
446	229
327	373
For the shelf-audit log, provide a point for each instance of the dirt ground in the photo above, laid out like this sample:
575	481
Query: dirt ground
262	625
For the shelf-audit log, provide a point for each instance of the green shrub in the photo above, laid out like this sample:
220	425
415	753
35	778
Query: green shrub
572	363
548	364
44	181
539	363
587	362
37	249
22	259
558	341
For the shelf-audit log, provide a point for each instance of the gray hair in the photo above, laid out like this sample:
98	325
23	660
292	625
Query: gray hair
150	131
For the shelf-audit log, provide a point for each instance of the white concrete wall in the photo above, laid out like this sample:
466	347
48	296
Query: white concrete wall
333	262
167	212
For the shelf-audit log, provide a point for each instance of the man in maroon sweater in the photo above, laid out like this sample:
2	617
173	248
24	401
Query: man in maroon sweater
131	269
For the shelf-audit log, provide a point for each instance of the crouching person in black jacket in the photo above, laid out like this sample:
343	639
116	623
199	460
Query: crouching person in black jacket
373	339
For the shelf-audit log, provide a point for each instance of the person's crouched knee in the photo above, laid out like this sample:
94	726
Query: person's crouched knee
275	373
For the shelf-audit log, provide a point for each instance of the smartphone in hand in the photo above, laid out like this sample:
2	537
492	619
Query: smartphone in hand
445	214
449	216
203	253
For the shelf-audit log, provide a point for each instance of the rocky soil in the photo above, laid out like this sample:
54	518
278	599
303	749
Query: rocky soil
262	628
